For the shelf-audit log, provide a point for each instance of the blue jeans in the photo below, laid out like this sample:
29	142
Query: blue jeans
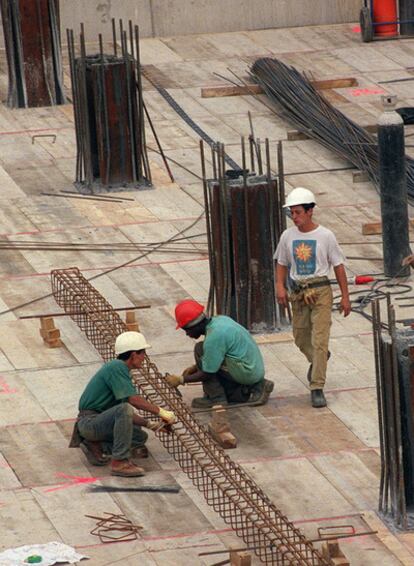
115	429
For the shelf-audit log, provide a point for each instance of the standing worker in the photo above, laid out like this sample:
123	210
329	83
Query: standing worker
306	252
229	363
106	411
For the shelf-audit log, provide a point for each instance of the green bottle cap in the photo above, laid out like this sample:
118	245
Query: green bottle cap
34	559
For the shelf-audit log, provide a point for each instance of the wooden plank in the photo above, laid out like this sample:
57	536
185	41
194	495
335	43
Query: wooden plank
398	549
373	228
217	91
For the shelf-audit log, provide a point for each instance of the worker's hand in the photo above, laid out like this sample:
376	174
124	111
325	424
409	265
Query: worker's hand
190	370
174	380
409	260
282	296
345	306
167	416
156	426
309	296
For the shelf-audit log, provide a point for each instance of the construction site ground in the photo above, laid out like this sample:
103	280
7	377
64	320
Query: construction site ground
320	467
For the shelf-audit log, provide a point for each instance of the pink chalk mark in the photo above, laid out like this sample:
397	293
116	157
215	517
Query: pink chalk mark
356	29
4	387
366	91
74	480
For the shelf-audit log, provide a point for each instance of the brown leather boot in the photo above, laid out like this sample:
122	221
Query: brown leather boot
93	452
126	469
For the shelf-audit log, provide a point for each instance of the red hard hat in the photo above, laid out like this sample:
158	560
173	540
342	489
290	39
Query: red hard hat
186	311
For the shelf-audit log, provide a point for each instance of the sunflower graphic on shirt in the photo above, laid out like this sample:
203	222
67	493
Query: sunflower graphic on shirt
304	254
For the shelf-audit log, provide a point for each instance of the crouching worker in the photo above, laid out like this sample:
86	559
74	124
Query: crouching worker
228	363
106	411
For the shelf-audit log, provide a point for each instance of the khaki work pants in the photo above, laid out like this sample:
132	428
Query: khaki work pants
311	328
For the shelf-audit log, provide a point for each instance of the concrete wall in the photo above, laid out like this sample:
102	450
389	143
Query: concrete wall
175	17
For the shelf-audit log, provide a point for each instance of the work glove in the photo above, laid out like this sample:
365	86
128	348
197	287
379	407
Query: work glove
167	416
156	426
174	380
190	370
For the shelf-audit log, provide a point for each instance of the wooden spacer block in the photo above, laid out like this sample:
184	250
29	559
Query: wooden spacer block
295	135
332	552
49	333
238	558
131	321
372	228
220	430
360	177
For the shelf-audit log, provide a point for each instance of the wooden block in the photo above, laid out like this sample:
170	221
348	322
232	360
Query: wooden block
219	91
371	128
372	228
238	558
220	430
295	135
50	334
360	177
47	323
131	321
331	551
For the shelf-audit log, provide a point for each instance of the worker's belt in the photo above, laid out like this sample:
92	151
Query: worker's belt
298	286
87	413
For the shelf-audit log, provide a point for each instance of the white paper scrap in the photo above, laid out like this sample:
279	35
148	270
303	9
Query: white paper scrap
51	553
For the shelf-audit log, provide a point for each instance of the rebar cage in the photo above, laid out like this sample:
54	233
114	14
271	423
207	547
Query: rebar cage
231	492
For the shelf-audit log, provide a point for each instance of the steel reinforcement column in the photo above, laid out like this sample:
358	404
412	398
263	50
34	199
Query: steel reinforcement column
32	40
393	190
406	11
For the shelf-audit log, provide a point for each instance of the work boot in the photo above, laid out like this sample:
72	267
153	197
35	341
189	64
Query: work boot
93	452
260	392
318	398
206	402
140	452
309	374
126	469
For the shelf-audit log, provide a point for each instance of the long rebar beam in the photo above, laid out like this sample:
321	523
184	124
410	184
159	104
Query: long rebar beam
225	485
312	114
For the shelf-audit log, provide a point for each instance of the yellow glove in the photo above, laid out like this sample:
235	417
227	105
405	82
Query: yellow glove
174	380
190	370
167	416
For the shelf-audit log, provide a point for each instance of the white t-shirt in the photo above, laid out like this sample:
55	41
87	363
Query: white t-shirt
308	254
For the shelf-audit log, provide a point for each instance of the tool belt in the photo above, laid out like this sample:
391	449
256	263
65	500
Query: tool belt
303	290
76	438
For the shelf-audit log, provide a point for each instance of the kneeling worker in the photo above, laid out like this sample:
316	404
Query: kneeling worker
106	410
228	363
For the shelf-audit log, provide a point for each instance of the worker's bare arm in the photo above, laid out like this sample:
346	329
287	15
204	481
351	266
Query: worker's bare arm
140	403
198	376
281	291
340	274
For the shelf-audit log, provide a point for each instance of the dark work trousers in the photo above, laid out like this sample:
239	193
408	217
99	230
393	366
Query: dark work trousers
115	429
221	387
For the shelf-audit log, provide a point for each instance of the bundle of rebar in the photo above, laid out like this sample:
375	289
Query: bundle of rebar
394	365
245	219
225	485
303	106
32	40
109	113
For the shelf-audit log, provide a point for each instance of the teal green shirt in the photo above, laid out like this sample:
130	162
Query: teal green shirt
229	346
108	387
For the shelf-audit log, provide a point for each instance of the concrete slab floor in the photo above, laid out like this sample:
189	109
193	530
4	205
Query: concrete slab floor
321	468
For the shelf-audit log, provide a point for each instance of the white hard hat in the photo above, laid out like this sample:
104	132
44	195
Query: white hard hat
130	341
300	196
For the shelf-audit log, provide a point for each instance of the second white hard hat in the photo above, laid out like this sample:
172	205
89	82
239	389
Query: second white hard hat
299	196
130	342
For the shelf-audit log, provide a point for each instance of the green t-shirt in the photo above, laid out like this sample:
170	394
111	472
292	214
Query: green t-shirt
108	387
229	346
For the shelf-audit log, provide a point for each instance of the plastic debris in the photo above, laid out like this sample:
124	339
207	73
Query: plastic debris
50	553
